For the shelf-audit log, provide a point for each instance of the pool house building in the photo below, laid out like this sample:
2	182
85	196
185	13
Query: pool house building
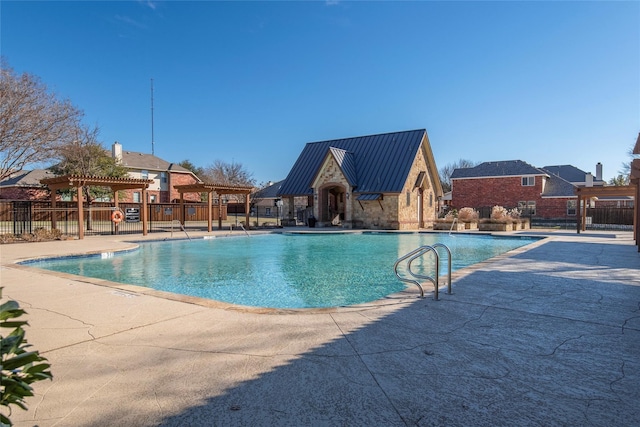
385	181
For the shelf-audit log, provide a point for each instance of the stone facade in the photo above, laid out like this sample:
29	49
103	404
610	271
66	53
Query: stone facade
335	202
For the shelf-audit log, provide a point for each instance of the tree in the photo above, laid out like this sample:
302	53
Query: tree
619	180
625	172
85	155
446	171
20	367
228	174
33	121
197	170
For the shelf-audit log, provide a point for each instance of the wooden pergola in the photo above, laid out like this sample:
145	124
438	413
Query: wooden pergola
220	190
586	193
115	184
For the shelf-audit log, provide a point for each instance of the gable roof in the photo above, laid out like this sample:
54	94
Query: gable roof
569	173
134	160
376	163
270	192
347	163
497	169
556	186
26	178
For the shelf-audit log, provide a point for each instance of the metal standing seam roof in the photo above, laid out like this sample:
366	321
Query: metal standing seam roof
347	163
369	196
501	168
381	163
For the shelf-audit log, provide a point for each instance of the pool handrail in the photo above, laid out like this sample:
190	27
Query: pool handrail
181	226
404	279
417	253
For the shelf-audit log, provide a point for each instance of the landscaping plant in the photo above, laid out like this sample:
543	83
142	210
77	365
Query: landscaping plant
20	367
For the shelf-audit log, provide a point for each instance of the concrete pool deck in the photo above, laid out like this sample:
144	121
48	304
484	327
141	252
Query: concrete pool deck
548	336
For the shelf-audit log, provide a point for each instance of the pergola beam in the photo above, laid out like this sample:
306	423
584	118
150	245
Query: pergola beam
585	193
115	184
220	190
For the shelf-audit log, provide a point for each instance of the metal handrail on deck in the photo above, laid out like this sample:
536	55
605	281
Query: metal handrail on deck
181	226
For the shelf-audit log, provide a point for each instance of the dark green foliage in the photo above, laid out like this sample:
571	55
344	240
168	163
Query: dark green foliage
20	366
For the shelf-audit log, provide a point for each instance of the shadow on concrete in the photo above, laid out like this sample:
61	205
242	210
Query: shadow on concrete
556	345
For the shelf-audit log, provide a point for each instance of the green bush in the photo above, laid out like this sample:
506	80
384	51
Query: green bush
20	367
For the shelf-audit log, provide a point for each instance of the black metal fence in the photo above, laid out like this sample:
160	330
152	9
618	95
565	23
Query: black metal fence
602	218
24	217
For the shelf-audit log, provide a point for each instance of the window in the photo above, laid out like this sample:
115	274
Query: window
528	181
267	212
152	198
163	177
571	207
430	199
408	198
136	197
527	208
144	174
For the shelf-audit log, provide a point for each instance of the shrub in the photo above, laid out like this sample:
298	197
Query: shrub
468	215
453	213
20	367
499	214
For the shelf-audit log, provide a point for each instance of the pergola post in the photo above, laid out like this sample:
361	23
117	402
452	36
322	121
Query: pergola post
80	214
115	204
78	181
210	211
144	211
247	207
181	209
54	219
219	211
586	193
220	190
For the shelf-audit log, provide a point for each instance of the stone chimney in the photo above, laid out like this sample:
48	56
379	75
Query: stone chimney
116	152
588	178
599	172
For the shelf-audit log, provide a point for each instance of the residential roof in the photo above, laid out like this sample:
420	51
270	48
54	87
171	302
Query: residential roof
569	173
497	169
27	178
556	186
270	192
134	160
376	163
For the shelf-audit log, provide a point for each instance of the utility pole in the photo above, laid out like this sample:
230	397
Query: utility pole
152	141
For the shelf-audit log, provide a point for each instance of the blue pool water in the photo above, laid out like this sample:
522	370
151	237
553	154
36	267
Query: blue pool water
282	270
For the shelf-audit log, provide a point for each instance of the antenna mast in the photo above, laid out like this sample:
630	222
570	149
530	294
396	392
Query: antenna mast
152	141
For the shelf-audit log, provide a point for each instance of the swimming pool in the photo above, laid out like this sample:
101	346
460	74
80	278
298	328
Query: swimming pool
281	270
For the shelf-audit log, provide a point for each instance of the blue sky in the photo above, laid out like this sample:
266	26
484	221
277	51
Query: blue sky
252	82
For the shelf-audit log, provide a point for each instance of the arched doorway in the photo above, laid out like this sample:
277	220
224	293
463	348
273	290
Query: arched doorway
332	206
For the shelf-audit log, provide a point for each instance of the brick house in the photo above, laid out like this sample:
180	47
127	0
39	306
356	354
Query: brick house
165	176
547	192
25	185
386	181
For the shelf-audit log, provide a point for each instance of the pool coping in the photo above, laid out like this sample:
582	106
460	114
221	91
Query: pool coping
409	294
